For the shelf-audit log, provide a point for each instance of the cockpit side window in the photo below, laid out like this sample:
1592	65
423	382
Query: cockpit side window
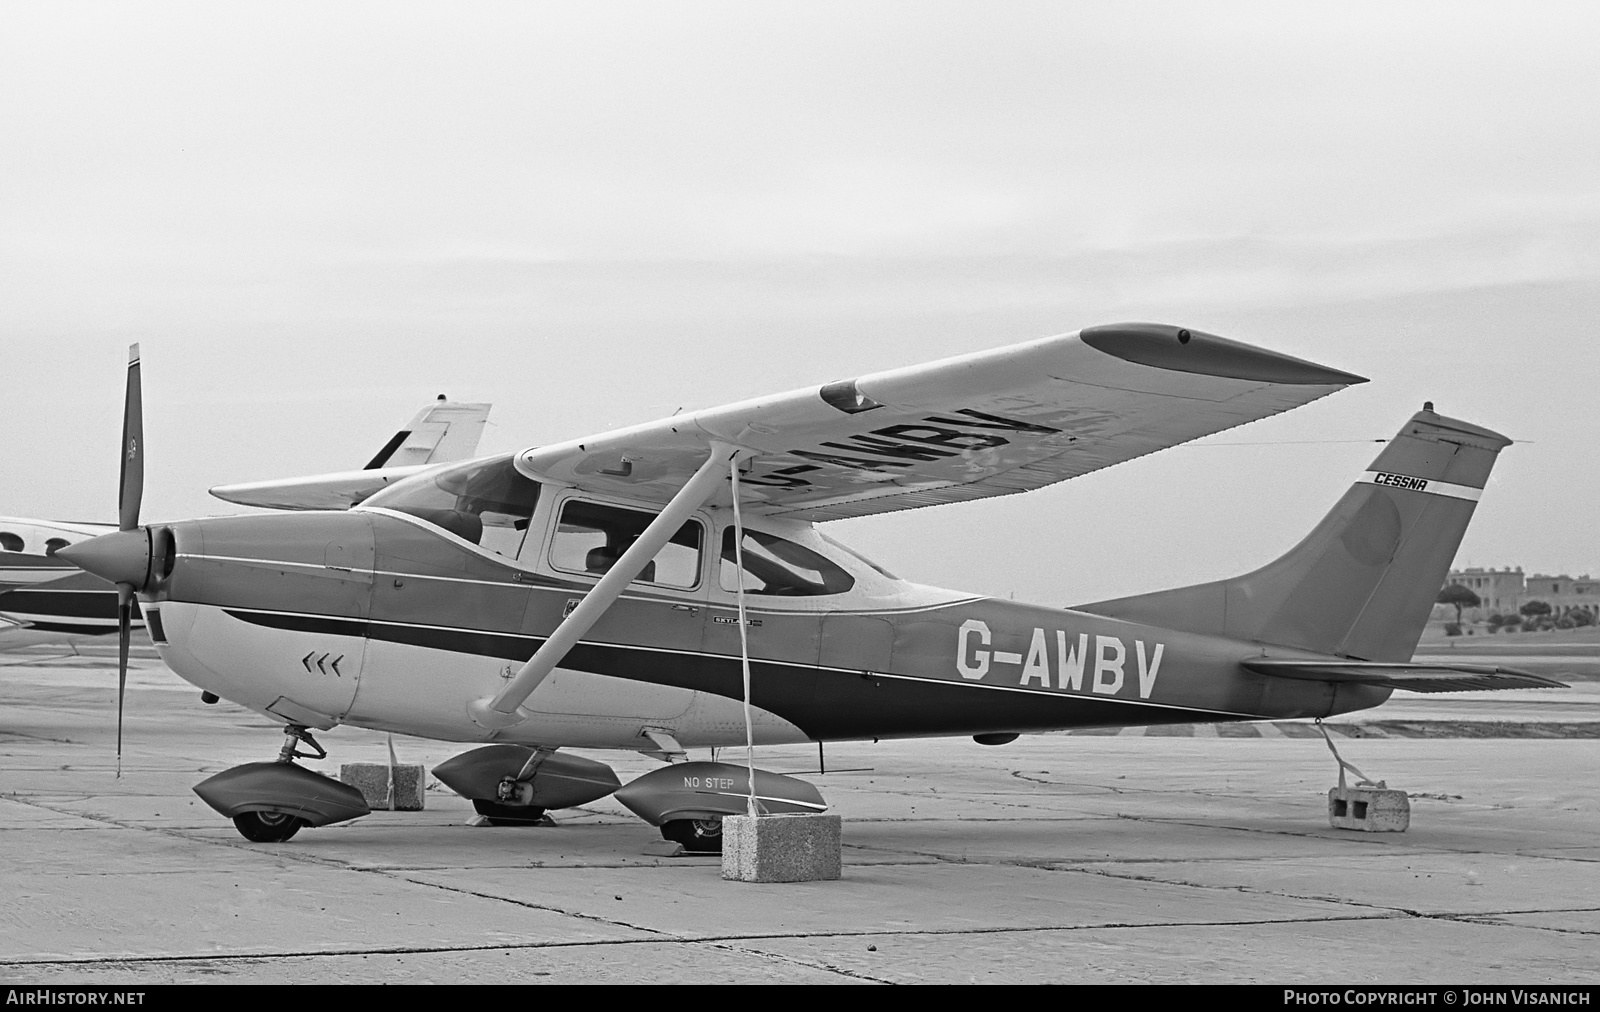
487	502
778	568
590	537
10	542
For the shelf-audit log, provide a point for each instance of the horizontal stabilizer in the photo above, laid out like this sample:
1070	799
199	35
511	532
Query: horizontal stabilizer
443	432
1413	677
338	491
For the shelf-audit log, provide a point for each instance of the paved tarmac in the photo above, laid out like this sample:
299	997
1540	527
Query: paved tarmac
1194	854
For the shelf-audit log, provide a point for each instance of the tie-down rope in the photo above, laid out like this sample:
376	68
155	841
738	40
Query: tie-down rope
752	806
1363	782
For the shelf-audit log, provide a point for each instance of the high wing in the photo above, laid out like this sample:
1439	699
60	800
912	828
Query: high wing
441	432
985	424
1415	677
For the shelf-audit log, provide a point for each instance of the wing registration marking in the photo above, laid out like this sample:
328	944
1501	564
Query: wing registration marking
886	453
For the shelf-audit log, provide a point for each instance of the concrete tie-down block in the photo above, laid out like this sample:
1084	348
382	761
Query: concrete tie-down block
372	780
781	848
1369	809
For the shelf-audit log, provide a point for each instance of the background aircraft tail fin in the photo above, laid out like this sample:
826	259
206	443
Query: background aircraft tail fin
441	432
1363	583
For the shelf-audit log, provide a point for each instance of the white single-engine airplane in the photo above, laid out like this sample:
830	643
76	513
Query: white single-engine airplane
590	593
41	592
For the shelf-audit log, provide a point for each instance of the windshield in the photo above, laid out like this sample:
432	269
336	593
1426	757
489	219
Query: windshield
857	556
487	502
779	568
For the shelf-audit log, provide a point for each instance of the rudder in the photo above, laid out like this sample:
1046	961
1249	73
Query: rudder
1363	583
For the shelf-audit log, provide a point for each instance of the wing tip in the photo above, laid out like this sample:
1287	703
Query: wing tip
1182	349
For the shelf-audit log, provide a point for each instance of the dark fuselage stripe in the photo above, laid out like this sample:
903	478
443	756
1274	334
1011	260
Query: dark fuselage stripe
826	703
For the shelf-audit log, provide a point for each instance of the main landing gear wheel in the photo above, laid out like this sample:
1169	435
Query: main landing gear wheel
267	827
702	836
508	815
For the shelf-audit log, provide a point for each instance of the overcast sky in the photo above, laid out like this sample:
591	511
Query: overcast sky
316	217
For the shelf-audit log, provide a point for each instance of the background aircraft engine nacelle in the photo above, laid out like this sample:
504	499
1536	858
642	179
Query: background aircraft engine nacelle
502	774
282	788
687	791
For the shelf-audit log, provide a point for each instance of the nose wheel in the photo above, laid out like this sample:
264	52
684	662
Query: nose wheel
269	802
267	827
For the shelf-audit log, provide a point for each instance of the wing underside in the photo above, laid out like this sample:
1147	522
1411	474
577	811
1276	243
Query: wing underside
988	424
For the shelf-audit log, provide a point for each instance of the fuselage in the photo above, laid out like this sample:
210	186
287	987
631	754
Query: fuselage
47	593
384	619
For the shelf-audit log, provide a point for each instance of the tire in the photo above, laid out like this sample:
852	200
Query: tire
508	815
702	836
267	827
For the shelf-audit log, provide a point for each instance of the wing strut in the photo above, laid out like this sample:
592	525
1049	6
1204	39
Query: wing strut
501	710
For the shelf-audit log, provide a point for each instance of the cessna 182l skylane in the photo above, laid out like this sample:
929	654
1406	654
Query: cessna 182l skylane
600	593
41	592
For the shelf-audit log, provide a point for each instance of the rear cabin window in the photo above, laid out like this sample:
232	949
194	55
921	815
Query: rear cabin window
775	567
590	537
55	545
487	502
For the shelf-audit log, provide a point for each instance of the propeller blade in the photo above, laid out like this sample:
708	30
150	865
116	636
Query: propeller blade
124	632
131	489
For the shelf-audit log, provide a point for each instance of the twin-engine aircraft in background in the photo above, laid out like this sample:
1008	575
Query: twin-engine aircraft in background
606	592
47	594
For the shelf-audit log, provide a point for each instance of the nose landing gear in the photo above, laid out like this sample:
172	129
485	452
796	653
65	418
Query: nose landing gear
293	735
269	802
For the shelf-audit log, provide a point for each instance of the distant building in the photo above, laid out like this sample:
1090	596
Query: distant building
1565	593
1500	590
1505	591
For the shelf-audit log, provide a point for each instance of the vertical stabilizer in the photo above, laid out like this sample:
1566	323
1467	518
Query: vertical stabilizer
441	432
1363	583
